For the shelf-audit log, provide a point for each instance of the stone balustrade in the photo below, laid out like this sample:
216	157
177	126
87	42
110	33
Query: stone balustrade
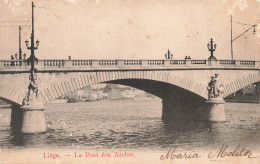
107	62
227	62
114	64
155	62
132	62
198	61
247	62
11	63
81	62
178	62
53	62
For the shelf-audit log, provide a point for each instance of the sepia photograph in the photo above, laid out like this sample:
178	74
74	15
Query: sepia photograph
133	81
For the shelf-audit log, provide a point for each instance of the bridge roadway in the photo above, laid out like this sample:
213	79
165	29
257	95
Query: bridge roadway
181	84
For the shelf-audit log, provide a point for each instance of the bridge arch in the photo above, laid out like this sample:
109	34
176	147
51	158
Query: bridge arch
10	95
8	101
239	83
159	83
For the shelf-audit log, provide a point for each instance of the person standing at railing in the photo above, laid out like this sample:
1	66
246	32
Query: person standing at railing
16	55
12	62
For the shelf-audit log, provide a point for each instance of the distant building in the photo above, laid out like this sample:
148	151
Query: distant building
81	94
101	95
92	96
139	93
128	94
110	91
113	91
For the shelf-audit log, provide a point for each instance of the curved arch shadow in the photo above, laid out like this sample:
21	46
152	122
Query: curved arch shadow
10	102
163	90
177	103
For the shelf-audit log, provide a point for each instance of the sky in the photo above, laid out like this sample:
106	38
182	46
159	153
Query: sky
131	29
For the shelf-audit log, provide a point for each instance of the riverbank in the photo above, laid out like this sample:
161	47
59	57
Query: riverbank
244	101
118	99
5	106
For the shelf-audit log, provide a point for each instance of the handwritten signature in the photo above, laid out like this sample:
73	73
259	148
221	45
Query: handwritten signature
222	152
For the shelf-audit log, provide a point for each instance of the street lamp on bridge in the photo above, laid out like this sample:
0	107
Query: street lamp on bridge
32	47
211	49
168	55
232	40
32	103
20	49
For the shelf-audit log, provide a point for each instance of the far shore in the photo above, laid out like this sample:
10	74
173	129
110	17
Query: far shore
243	101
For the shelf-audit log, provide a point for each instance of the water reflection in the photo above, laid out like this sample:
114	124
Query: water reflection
18	139
187	134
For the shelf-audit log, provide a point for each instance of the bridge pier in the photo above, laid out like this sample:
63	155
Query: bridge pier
211	110
16	119
28	118
215	110
172	110
33	118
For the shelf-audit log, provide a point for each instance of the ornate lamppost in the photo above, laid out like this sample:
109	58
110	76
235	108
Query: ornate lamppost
212	49
33	89
168	55
33	108
32	47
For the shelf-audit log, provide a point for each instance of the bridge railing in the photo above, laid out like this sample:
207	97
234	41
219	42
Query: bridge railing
131	64
14	64
248	63
237	63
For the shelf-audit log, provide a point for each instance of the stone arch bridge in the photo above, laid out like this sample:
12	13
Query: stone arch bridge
59	77
181	84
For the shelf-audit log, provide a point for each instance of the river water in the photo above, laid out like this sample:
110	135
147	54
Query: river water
133	125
